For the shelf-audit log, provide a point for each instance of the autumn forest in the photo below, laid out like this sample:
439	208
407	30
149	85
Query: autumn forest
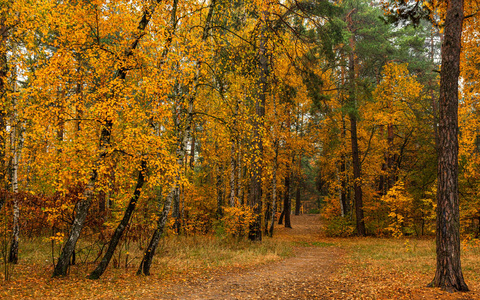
126	126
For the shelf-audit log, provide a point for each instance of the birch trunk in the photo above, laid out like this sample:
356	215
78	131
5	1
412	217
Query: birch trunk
15	146
3	114
357	171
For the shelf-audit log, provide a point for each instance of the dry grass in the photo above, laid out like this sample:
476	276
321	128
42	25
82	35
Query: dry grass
178	258
371	268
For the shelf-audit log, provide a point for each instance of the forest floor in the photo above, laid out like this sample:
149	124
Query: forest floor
327	268
312	266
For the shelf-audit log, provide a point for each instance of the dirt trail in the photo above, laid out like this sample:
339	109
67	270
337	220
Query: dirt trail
306	275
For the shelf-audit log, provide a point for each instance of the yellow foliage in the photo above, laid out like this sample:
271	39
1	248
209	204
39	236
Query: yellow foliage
236	220
400	207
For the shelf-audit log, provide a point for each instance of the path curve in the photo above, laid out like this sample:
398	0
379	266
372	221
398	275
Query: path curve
306	275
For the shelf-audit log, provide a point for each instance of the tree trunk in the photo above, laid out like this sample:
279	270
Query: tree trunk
280	219
298	199
354	141
147	259
287	207
274	186
219	187
233	166
239	175
15	141
255	233
357	178
117	235
3	114
448	275
268	211
343	175
391	169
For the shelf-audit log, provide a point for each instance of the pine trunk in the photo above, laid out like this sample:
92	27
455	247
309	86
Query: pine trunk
343	175
357	178
448	275
354	141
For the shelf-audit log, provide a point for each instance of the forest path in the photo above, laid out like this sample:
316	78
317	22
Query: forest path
308	274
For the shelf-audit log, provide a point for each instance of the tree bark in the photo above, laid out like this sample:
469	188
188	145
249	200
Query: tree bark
448	275
15	146
233	166
274	186
280	219
287	206
240	175
255	233
357	178
343	174
117	235
176	210
298	199
4	185
147	259
360	224
219	187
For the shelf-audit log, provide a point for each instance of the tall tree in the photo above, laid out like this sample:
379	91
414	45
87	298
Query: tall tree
448	275
357	171
255	233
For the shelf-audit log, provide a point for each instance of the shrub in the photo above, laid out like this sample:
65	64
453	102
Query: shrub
340	227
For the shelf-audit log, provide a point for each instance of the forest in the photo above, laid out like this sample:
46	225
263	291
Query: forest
128	125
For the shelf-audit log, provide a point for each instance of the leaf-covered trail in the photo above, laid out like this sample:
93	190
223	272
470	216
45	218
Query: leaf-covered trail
306	275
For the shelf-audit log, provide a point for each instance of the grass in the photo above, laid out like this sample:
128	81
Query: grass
371	268
178	258
183	254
